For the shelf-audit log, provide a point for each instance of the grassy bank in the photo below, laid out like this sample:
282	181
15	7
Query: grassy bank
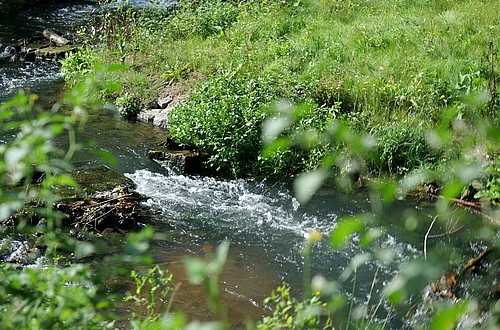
390	70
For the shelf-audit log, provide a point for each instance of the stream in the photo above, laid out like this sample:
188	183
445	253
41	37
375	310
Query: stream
266	230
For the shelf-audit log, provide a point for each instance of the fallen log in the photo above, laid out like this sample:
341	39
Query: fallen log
55	38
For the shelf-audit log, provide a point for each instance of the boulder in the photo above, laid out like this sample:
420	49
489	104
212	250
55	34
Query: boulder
54	38
159	117
187	161
184	157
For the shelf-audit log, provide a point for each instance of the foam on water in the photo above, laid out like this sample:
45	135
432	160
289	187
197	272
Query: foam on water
14	76
272	226
238	204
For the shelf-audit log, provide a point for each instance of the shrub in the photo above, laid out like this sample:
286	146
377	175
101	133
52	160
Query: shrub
128	105
50	298
223	118
402	148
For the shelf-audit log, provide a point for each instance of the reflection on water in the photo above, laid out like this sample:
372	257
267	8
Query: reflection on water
31	22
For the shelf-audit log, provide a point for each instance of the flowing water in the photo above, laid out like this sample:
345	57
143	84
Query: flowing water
266	229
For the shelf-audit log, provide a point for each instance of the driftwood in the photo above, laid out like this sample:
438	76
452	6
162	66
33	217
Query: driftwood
476	261
55	38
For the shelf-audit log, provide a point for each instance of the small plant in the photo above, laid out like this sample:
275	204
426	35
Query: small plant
128	105
491	191
291	313
50	298
153	286
207	272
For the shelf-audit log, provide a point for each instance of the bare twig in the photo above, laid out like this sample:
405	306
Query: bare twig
449	232
427	235
475	261
115	199
471	206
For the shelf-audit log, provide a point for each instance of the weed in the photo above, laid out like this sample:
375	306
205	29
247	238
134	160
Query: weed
156	285
128	105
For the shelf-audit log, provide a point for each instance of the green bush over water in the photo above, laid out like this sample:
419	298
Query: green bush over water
223	118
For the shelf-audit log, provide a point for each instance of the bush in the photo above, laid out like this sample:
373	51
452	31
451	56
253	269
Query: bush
50	298
128	105
223	118
402	148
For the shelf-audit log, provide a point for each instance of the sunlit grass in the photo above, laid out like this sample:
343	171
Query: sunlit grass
387	62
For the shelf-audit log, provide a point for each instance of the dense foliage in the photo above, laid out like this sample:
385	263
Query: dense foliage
381	68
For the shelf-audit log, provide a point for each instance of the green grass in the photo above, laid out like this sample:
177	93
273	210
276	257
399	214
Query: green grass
387	62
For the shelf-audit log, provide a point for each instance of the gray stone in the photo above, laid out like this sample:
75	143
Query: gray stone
164	101
148	115
187	161
161	118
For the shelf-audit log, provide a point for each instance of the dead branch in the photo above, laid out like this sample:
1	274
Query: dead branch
471	206
447	233
426	235
475	261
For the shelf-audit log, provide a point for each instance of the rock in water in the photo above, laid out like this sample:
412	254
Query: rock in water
55	38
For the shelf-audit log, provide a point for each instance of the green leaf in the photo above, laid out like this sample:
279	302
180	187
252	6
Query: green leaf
106	156
197	270
448	317
306	185
344	229
221	254
280	144
14	155
84	249
273	127
116	67
414	276
452	189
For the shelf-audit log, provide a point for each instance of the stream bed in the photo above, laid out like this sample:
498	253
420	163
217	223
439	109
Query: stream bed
266	229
